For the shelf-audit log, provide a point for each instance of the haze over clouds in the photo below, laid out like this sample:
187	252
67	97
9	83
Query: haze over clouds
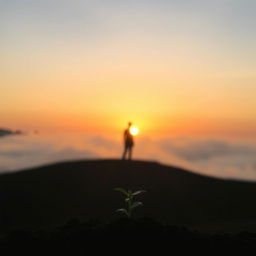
220	158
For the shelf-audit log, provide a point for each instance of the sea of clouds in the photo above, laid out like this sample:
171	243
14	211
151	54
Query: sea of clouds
218	157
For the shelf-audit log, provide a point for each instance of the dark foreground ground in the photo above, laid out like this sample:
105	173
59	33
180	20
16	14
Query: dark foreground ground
46	197
121	236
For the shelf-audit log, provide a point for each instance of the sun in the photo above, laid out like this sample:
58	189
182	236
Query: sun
134	130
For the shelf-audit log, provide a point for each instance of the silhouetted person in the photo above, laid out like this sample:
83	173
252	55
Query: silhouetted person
128	142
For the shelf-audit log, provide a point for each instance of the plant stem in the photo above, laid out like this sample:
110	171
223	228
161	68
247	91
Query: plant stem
130	206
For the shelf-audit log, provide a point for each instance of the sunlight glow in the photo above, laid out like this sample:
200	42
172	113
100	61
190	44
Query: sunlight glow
134	130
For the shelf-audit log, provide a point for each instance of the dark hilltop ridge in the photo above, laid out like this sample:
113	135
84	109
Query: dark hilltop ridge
6	132
49	196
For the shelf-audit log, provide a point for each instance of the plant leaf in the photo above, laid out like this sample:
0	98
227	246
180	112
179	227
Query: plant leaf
136	204
127	200
138	192
123	211
123	191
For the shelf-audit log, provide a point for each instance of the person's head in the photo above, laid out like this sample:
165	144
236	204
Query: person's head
129	124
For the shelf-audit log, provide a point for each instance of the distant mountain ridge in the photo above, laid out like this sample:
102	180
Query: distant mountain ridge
5	132
48	196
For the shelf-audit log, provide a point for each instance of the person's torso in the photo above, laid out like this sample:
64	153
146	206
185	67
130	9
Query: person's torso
128	137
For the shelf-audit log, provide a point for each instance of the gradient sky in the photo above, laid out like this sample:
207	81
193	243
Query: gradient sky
171	66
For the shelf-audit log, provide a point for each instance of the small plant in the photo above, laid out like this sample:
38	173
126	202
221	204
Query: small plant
130	205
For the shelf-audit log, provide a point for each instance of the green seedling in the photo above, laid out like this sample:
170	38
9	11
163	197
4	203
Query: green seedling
130	205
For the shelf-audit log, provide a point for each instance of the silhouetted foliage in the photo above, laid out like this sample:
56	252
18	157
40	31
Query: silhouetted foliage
130	204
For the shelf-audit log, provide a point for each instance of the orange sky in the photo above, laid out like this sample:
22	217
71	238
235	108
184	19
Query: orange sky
167	69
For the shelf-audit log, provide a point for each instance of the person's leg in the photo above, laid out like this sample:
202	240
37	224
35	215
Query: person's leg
130	153
125	152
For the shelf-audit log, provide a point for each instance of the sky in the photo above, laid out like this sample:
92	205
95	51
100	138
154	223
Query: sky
176	67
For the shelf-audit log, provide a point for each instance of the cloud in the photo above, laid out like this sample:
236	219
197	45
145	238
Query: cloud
214	157
19	153
207	149
221	157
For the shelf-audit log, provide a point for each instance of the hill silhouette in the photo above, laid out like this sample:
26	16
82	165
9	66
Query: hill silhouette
48	196
6	132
